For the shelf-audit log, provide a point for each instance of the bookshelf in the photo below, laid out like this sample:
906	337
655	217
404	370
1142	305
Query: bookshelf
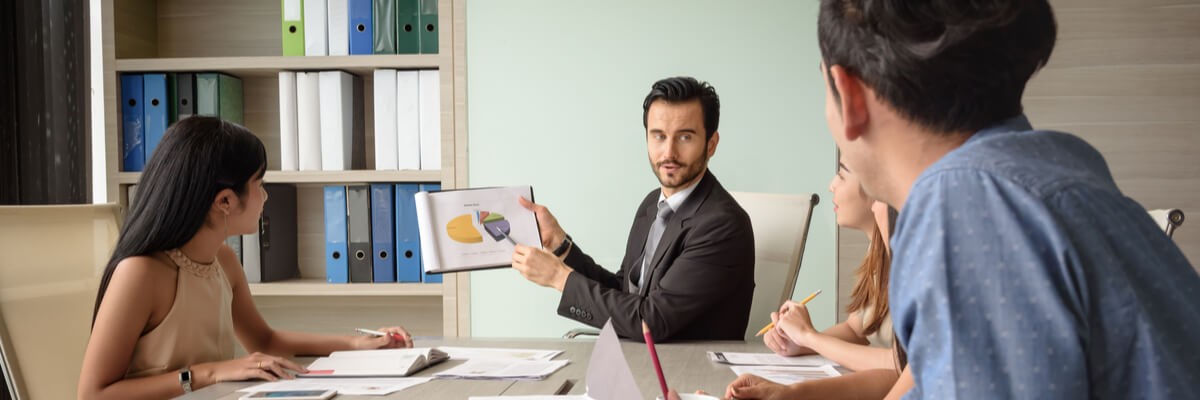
243	38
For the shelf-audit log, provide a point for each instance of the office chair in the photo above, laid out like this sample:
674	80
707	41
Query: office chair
780	223
1167	219
51	261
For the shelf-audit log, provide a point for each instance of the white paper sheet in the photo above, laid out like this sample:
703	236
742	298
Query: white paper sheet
355	386
503	369
787	374
487	353
725	357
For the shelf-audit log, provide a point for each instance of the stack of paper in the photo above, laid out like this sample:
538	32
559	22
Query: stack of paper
502	369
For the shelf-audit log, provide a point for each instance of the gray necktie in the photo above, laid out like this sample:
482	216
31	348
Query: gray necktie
656	232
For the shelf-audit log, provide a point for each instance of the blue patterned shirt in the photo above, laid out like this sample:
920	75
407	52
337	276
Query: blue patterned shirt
1022	272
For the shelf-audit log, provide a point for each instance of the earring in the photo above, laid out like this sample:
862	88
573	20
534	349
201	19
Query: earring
227	224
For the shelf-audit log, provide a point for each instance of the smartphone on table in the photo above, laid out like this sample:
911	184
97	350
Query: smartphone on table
291	395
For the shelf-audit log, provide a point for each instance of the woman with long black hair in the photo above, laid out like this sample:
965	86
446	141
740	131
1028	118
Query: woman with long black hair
173	296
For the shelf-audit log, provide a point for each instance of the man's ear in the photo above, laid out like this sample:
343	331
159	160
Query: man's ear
225	202
852	101
712	143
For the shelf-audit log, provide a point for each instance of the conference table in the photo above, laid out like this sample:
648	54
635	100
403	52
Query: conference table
685	365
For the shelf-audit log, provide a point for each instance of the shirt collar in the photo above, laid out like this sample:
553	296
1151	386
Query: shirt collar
679	197
1018	123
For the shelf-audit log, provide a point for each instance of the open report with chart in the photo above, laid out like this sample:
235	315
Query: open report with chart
471	229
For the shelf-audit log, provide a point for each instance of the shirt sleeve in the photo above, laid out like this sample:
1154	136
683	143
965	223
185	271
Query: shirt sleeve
985	297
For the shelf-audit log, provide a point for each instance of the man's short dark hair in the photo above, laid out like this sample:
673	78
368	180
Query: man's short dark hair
949	65
683	89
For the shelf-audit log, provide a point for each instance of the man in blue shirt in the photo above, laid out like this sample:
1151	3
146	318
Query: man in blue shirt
1020	270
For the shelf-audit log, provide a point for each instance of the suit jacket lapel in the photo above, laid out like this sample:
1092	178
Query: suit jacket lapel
637	238
675	225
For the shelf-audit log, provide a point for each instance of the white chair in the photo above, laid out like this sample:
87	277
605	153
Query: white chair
780	224
51	260
1167	219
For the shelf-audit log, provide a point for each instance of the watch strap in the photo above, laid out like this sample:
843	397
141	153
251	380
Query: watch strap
564	247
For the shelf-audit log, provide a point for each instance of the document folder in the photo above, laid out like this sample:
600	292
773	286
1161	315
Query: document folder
277	234
133	131
252	258
383	230
219	95
430	111
408	240
339	127
289	133
408	120
362	36
337	270
385	119
185	95
339	27
316	36
155	102
358	208
293	27
408	26
429	26
383	16
428	278
308	102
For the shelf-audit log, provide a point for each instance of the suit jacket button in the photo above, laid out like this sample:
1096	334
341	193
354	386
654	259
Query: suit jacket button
572	309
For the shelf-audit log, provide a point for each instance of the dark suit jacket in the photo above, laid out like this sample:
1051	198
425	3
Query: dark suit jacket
700	282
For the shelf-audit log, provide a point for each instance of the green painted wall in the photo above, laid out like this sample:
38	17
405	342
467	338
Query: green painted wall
554	92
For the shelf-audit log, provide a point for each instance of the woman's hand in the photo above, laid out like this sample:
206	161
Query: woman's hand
779	342
255	366
396	338
794	321
747	387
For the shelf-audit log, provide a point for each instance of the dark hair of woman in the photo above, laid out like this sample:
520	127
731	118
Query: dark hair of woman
197	158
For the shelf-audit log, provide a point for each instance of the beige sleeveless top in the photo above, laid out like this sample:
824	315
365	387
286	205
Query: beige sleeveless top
882	337
197	329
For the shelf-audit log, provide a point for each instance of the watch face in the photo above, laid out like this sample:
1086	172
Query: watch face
185	375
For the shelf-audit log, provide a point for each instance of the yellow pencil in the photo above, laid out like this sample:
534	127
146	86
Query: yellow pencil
802	302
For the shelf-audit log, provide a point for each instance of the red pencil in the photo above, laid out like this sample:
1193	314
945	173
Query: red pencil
654	356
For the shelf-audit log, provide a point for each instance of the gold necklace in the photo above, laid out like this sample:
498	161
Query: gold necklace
191	266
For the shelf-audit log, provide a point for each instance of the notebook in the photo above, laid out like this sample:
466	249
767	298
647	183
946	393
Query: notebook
374	363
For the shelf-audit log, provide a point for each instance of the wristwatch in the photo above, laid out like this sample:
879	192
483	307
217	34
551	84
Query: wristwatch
185	379
563	248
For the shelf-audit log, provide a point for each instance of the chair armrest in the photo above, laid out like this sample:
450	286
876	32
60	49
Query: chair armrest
571	334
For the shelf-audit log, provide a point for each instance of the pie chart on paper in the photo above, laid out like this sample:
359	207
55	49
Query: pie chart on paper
463	230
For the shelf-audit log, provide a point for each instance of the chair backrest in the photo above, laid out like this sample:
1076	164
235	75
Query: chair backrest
1167	219
780	224
51	261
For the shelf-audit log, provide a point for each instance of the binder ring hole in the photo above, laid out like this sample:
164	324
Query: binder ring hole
132	102
183	101
428	27
292	29
362	28
337	255
359	255
408	254
408	27
383	254
154	102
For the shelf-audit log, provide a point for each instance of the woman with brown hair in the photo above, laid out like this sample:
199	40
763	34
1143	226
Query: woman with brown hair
865	339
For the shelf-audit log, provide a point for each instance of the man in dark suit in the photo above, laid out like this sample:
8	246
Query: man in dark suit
688	270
